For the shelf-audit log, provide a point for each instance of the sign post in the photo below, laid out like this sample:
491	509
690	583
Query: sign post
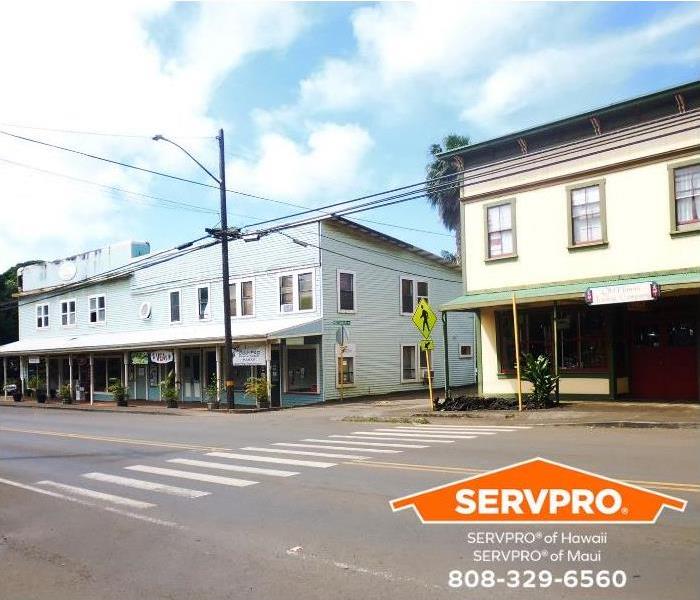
424	319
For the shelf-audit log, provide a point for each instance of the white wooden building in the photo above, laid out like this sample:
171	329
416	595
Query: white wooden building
124	313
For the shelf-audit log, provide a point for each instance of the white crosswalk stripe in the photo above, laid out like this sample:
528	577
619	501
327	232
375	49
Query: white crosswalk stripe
380	444
429	436
387	438
441	431
304	453
94	494
228	467
371	450
498	427
273	459
150	486
230	481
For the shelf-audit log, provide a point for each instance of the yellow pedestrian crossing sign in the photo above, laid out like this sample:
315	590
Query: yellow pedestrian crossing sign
424	318
427	345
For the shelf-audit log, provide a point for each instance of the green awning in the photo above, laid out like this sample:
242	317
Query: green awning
569	291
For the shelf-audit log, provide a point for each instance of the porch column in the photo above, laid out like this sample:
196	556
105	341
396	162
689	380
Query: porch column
176	358
92	379
70	374
4	376
60	373
447	355
21	375
46	365
218	372
126	370
268	364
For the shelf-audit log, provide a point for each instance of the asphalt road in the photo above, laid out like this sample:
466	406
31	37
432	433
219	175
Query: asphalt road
325	531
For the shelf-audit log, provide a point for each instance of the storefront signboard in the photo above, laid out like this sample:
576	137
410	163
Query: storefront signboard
246	355
139	358
162	357
628	292
34	360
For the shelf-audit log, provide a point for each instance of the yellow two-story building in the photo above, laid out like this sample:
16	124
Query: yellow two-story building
593	224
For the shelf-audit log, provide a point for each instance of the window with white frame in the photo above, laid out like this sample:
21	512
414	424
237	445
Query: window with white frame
203	310
500	231
687	195
586	222
67	313
346	291
423	362
346	370
42	316
175	306
247	300
106	370
296	292
408	362
465	351
305	288
412	290
97	308
242	298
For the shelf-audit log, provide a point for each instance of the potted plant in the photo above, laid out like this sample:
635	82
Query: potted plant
168	390
32	385
213	393
65	394
119	392
537	372
40	390
257	387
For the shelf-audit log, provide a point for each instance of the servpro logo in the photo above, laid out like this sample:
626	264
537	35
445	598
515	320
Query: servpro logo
535	491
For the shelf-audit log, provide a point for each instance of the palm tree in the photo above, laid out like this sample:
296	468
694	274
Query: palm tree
445	199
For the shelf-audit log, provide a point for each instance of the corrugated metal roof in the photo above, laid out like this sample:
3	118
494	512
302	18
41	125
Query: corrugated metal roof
247	329
567	291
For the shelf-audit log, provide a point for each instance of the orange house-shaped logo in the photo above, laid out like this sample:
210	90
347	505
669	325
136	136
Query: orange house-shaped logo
538	491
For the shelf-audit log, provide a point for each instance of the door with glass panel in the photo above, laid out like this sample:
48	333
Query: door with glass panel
192	376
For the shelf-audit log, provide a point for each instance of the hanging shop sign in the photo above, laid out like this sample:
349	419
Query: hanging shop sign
34	360
162	357
246	355
139	358
628	292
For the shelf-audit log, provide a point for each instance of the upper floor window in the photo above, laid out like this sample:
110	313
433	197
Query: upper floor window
203	311
500	230
412	291
175	307
346	291
42	316
296	292
586	215
98	308
242	298
687	196
68	313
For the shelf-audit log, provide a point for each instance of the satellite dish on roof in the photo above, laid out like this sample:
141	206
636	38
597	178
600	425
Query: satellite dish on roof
67	270
145	310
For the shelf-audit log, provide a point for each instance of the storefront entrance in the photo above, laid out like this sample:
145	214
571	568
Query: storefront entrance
663	348
192	376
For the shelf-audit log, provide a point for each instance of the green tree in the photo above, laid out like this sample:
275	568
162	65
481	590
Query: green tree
9	321
440	172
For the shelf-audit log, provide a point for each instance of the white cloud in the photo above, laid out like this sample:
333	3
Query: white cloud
330	162
94	67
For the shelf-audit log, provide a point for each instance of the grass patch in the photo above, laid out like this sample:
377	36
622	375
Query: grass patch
360	419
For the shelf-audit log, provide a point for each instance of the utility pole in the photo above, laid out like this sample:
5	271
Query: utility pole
228	353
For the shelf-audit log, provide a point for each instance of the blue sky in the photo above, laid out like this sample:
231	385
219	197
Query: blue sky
320	102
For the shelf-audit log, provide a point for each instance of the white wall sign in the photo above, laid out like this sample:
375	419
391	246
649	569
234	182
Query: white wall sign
244	355
34	360
628	292
162	357
348	350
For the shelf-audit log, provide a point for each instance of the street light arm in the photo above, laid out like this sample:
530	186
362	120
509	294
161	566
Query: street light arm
159	137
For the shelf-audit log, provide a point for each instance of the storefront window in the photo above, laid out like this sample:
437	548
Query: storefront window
302	370
581	332
106	369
